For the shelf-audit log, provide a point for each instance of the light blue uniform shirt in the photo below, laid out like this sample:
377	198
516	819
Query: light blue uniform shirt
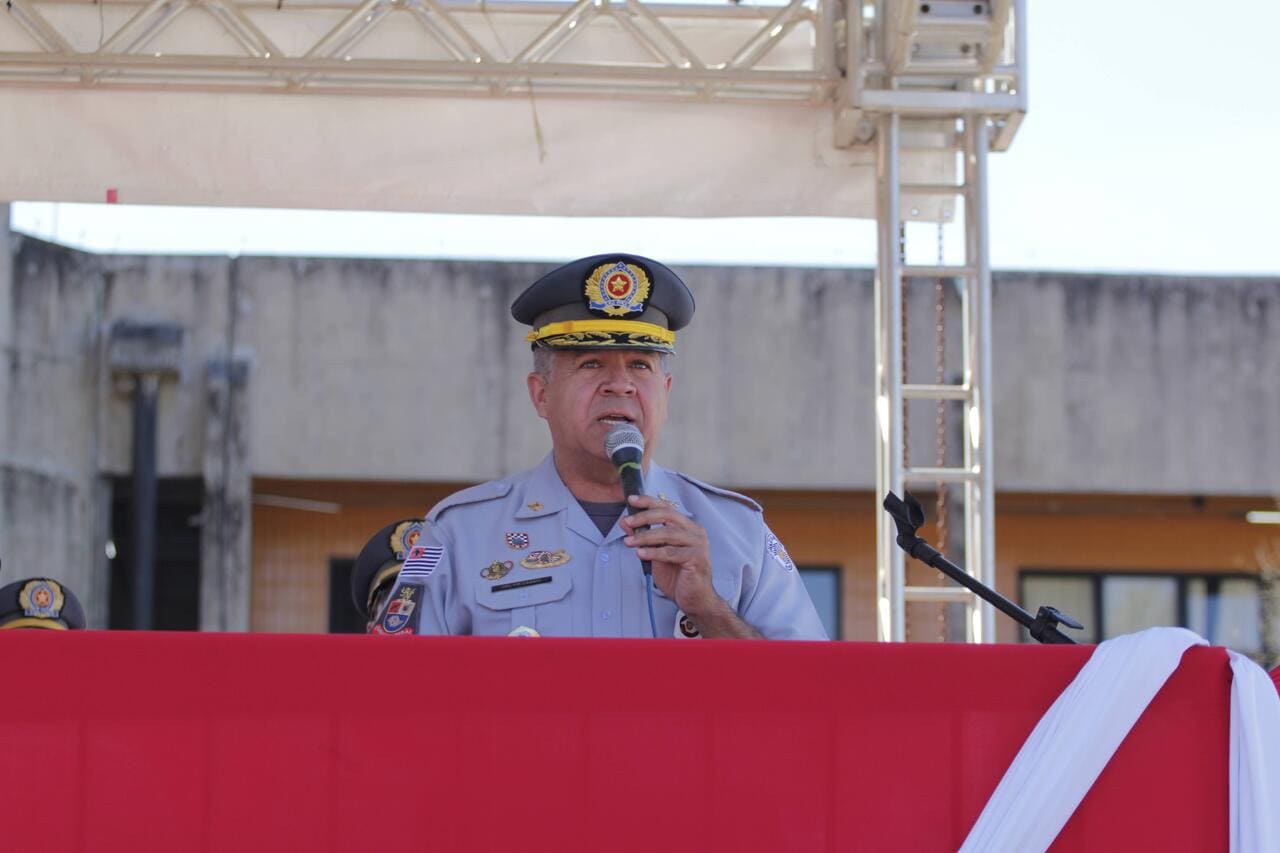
521	553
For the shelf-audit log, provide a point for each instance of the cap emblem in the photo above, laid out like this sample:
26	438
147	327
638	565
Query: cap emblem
404	537
41	598
617	289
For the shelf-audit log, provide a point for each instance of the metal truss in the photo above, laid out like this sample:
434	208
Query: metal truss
858	55
940	79
720	52
951	85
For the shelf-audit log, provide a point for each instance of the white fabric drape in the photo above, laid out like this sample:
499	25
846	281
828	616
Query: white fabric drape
1077	736
1255	758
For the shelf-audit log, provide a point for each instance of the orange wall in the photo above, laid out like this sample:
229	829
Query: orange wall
292	547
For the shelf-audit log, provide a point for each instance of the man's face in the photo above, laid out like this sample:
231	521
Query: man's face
590	391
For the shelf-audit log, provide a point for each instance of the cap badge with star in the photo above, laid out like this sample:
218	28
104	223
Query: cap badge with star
616	301
404	537
41	598
40	603
617	289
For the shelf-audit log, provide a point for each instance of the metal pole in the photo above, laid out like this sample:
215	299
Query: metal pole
890	576
980	493
143	510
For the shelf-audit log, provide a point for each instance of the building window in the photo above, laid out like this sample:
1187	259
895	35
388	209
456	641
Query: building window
1224	609
343	616
176	571
823	583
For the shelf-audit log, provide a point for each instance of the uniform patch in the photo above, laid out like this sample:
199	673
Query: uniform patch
534	506
685	629
496	571
617	289
523	631
41	598
401	616
779	553
404	537
545	559
517	541
422	561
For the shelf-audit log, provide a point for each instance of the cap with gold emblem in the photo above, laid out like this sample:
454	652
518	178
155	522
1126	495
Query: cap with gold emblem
40	603
614	301
379	562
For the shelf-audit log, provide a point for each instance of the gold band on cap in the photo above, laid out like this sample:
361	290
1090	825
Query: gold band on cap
388	571
633	327
33	622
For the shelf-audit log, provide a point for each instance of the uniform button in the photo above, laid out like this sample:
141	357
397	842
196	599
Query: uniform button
604	558
606	615
524	596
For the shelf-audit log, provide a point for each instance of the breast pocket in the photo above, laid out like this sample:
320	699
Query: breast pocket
541	602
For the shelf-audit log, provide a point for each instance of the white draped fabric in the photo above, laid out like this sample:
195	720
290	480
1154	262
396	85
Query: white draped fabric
1074	740
1255	758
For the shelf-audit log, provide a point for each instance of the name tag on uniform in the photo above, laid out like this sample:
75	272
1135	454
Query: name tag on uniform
518	584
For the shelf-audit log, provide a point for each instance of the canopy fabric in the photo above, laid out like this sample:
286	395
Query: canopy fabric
569	157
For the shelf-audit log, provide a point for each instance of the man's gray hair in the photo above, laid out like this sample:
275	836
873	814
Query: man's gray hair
544	357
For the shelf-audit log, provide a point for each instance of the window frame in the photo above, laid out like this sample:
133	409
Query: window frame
838	572
1180	576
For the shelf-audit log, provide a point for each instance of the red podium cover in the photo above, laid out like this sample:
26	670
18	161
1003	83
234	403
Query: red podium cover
130	742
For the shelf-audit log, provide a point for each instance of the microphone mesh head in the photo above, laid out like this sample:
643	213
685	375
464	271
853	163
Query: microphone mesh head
622	435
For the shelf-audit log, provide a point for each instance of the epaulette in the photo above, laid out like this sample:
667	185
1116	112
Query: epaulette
716	490
476	494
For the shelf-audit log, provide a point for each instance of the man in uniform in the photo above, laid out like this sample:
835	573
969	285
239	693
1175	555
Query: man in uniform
549	552
374	574
39	603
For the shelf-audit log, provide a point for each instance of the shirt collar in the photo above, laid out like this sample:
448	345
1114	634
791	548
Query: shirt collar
665	486
546	494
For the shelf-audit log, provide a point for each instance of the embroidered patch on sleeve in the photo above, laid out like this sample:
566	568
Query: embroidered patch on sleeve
403	612
779	553
422	561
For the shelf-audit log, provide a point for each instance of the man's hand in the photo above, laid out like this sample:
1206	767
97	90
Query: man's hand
681	558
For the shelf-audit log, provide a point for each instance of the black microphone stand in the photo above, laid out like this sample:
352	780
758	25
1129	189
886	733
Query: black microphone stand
908	515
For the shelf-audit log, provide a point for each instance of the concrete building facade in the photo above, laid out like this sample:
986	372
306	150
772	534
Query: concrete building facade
1136	418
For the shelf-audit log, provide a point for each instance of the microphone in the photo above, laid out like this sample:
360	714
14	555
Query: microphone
624	445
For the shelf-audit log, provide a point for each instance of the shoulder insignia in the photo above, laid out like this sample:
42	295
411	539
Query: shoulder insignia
401	616
778	552
724	493
476	494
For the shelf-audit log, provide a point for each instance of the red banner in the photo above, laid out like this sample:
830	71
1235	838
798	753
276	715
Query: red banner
129	742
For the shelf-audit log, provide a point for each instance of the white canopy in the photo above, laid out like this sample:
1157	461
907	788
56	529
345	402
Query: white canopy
414	105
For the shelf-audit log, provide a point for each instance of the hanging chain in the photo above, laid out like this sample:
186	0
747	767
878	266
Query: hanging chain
902	256
940	361
906	434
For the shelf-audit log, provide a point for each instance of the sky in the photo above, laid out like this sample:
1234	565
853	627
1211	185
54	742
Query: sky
1152	144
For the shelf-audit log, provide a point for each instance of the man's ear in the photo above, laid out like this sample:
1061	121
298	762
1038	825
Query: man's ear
538	394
